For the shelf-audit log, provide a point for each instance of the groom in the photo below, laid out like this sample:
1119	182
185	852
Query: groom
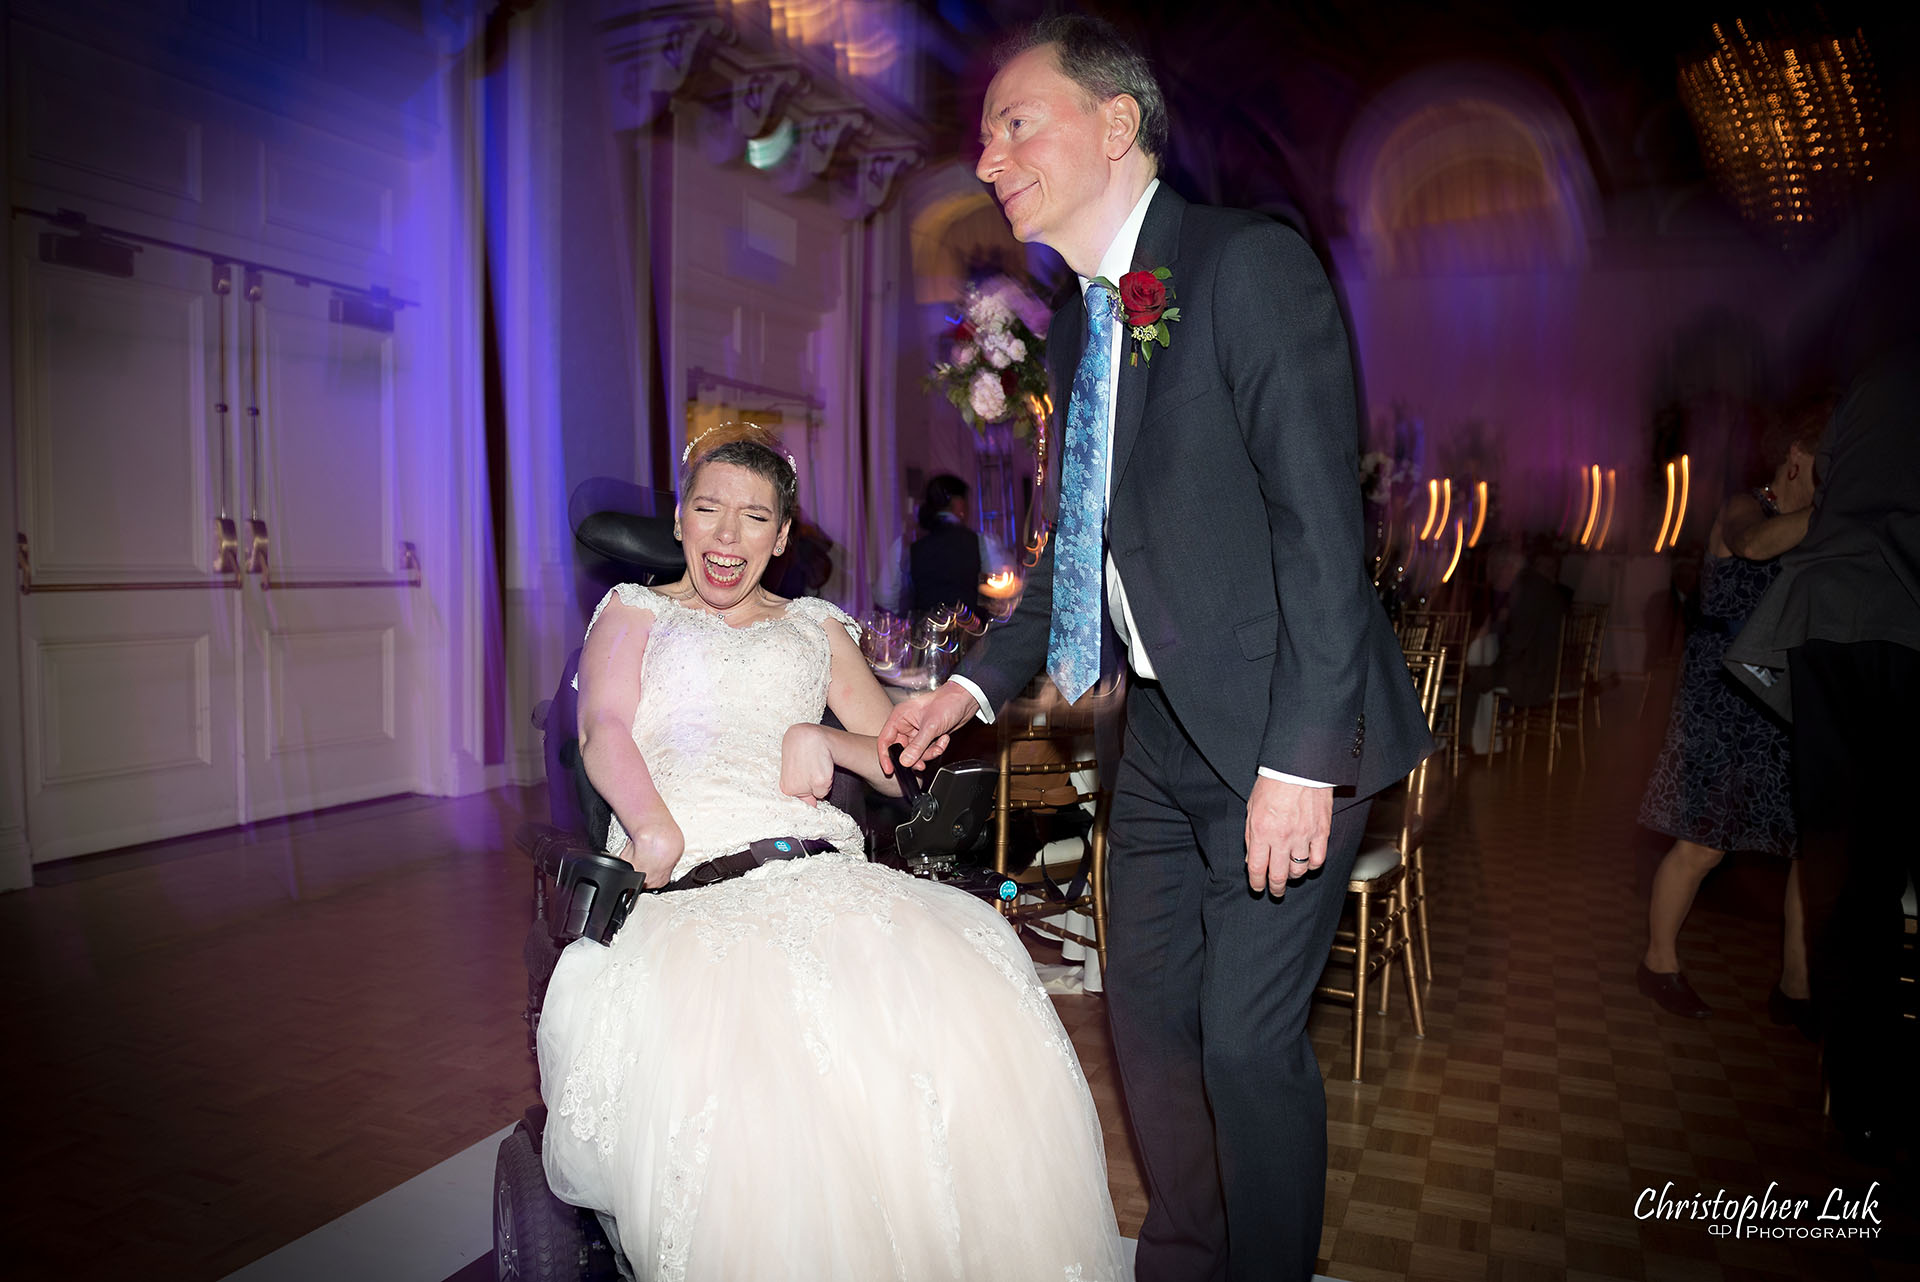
1209	529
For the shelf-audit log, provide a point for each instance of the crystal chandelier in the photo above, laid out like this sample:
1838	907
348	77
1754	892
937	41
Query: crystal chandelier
1792	128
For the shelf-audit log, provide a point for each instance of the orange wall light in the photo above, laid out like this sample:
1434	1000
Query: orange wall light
1592	490
1606	517
1666	517
1680	513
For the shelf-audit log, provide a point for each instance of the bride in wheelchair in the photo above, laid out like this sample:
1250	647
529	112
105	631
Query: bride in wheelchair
817	1067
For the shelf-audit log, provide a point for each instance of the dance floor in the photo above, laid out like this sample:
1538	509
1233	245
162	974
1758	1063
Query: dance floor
253	1051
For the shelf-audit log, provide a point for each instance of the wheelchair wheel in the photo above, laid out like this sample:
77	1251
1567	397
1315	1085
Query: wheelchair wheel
536	1236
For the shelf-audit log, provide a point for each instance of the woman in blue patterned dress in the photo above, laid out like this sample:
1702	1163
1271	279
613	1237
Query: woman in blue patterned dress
1722	781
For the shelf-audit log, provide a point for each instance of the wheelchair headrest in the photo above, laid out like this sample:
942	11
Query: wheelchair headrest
644	542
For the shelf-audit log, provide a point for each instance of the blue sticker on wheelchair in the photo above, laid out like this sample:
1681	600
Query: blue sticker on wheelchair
783	846
1008	890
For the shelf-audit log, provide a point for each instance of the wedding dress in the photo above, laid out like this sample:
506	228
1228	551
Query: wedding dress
823	1069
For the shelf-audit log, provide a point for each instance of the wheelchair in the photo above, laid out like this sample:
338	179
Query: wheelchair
578	892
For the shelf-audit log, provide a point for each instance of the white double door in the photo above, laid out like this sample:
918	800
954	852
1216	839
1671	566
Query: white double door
180	673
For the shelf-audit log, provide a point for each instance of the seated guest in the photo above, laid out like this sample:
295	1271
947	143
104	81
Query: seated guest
944	562
1528	609
943	512
821	1068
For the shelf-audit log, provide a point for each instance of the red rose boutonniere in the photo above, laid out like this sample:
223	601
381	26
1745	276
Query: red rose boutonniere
1146	299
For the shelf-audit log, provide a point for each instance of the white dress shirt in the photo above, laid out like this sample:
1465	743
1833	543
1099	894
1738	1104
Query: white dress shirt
1115	263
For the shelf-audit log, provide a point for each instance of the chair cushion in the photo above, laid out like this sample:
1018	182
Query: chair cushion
1375	861
1064	853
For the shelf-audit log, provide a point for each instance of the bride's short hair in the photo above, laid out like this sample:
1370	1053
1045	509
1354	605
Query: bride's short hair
757	456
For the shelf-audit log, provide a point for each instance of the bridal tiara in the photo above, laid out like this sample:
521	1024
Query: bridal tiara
741	432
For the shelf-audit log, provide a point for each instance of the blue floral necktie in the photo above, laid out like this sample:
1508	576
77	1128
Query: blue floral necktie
1073	643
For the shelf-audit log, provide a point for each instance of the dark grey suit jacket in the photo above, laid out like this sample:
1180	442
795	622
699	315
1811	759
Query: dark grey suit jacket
1235	517
1856	574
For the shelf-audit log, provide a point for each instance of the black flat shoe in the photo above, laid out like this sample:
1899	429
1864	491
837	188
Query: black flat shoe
1797	1011
1673	992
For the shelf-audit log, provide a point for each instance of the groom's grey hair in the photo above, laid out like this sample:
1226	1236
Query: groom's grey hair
1098	59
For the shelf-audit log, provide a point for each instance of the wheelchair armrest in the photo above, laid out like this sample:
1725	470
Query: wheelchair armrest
547	845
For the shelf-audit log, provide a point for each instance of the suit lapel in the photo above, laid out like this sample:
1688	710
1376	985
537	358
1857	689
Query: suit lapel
1158	246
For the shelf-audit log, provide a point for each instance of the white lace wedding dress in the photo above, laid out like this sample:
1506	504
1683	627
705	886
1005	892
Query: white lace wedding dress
824	1069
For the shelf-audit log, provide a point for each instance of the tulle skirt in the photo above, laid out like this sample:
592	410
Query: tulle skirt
823	1069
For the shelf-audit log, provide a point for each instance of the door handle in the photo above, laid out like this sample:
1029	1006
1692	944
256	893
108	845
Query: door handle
410	575
23	569
257	546
226	547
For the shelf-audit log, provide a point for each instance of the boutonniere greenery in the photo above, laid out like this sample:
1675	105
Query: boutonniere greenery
1146	299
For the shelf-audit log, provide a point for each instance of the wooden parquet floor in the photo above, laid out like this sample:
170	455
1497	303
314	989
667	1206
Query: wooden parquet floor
219	1045
216	1045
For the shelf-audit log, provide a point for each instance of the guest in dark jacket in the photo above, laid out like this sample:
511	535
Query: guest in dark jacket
944	562
1835	645
1526	628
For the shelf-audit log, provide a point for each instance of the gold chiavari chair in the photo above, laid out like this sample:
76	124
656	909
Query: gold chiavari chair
1566	710
1590	679
1420	805
1382	931
1446	630
1414	630
1047	766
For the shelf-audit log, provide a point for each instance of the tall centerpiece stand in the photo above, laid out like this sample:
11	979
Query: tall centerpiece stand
995	374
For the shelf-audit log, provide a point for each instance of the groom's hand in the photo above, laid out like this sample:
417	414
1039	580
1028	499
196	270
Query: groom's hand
1287	825
922	723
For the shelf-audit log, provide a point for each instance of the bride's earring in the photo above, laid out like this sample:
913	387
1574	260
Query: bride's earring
676	531
779	547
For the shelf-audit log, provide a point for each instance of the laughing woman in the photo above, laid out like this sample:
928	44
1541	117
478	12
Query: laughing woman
821	1068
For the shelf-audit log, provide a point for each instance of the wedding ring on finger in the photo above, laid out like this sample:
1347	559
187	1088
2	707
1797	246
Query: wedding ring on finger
1299	859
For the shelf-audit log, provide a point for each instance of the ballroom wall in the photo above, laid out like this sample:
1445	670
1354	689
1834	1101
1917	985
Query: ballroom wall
649	280
1533	326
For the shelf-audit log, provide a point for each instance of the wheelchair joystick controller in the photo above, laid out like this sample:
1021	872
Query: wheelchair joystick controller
945	818
919	801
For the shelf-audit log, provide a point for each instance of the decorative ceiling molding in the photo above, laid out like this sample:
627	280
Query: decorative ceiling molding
870	184
685	55
650	59
821	142
823	135
742	102
760	92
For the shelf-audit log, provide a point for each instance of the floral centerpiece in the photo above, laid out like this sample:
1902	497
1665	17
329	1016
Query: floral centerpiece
995	369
